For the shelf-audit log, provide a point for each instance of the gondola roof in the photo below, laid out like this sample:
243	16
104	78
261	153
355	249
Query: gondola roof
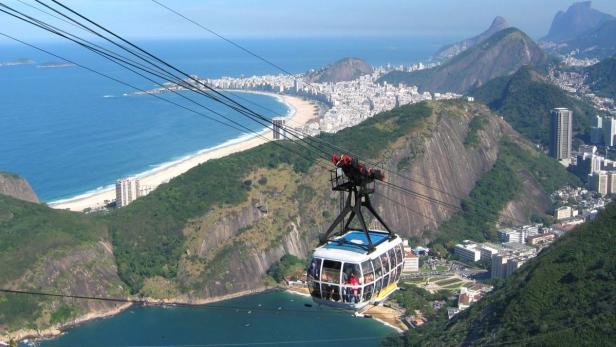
351	246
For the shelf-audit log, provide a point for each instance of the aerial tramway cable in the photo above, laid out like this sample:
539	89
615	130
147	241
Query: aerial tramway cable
278	67
239	108
242	110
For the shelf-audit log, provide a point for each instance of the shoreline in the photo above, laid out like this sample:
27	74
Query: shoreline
300	112
58	330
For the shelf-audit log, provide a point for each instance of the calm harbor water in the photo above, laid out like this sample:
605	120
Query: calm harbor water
69	131
274	318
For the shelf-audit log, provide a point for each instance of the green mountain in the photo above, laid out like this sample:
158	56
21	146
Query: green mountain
57	251
601	77
218	228
500	55
563	297
525	99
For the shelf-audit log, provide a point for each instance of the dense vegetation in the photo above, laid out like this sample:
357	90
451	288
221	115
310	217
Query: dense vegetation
481	210
289	267
564	297
602	78
525	100
147	235
412	298
30	233
476	124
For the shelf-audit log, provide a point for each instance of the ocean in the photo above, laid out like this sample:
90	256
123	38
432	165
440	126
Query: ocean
267	319
69	131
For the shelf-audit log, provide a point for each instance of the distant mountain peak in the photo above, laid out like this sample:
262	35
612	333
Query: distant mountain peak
501	54
578	19
499	23
345	69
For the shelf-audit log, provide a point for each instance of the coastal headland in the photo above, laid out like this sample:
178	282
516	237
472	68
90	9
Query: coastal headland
302	111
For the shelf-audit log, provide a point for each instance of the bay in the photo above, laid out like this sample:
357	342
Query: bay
266	319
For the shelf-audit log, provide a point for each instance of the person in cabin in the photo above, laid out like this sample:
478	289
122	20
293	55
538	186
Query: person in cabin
313	270
354	290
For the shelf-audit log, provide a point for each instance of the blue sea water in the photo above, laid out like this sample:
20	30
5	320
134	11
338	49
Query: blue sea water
69	131
269	319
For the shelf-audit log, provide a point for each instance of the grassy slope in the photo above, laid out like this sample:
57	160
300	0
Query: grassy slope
564	297
525	100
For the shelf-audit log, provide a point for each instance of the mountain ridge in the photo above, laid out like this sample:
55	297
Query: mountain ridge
449	51
578	19
500	55
218	228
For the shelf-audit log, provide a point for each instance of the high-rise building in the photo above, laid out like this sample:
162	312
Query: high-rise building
127	191
597	121
278	128
609	131
611	182
596	131
598	182
561	133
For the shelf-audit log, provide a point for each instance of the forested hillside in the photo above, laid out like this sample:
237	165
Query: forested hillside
525	100
563	297
217	229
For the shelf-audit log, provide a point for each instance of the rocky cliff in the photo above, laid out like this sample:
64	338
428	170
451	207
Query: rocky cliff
17	187
217	229
449	51
500	55
346	69
583	32
579	19
229	248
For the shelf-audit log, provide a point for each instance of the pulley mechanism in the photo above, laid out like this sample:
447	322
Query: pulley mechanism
358	180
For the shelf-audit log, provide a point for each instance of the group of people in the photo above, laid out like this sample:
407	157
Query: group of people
351	283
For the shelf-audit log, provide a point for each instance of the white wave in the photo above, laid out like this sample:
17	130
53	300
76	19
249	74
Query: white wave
87	194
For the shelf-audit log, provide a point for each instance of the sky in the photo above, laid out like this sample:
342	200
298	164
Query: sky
143	19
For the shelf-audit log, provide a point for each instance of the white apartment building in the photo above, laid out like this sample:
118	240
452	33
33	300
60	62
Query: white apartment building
468	252
127	191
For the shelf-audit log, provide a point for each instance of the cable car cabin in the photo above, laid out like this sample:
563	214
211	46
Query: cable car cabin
343	273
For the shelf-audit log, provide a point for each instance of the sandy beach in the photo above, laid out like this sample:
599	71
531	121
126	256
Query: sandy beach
302	111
